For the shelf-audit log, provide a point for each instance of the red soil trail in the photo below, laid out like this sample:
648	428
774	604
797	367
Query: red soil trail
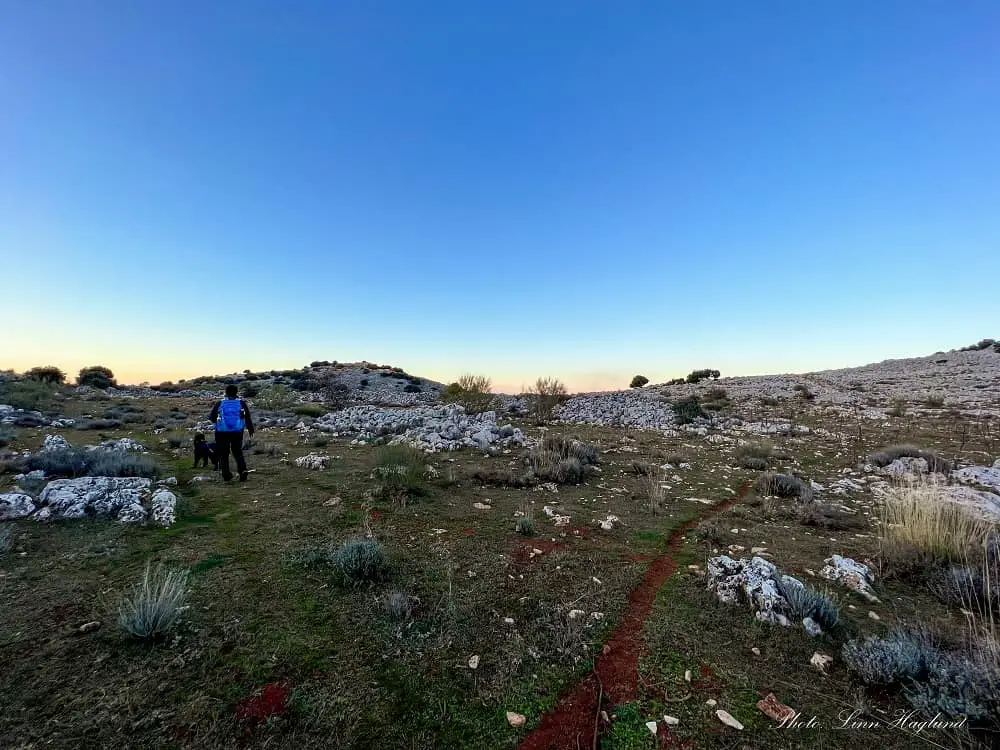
573	722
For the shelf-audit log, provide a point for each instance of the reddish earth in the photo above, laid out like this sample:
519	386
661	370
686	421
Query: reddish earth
572	723
524	554
271	701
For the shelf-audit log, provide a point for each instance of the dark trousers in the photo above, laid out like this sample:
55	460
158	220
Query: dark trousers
230	441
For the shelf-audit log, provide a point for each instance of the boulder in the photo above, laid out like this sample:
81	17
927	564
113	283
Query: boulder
55	443
100	497
15	504
850	573
754	581
982	475
314	461
163	507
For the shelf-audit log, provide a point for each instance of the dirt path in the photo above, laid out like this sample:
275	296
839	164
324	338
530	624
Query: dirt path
573	722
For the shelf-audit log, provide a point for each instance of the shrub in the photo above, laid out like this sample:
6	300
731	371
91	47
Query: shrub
889	454
98	424
826	517
525	526
6	437
676	381
29	394
698	375
643	468
96	377
336	393
805	601
983	344
412	388
6	538
902	655
361	561
959	685
471	392
783	485
546	394
921	519
250	390
397	605
321	442
934	402
176	442
804	392
309	410
716	398
275	397
763	451
969	587
155	604
400	471
897	408
561	460
638	381
74	462
688	409
571	448
48	374
754	463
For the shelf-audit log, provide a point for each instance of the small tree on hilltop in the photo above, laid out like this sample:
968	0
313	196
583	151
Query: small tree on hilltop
96	377
638	381
546	393
47	374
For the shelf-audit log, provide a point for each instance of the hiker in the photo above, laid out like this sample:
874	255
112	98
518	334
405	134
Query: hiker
231	415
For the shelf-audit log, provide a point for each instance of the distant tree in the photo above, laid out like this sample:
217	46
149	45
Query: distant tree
698	375
47	374
96	377
638	381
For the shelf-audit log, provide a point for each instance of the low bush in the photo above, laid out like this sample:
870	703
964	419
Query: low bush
960	685
98	424
803	392
29	394
96	377
902	655
754	463
400	471
74	462
897	408
805	601
687	410
638	381
826	517
890	453
676	381
784	485
309	410
397	605
472	392
154	605
362	561
934	402
698	375
525	526
6	437
983	344
545	395
972	588
275	398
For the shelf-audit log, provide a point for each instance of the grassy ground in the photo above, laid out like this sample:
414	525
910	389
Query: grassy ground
356	678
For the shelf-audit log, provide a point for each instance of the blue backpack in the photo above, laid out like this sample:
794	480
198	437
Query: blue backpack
230	417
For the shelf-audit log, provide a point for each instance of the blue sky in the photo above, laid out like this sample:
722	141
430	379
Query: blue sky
579	189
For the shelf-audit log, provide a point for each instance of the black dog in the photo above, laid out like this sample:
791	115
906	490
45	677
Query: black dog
205	452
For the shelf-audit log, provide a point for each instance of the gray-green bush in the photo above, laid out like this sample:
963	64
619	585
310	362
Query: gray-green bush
900	656
783	485
75	462
805	601
153	606
362	561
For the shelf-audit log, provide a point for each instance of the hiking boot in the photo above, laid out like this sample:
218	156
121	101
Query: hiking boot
243	476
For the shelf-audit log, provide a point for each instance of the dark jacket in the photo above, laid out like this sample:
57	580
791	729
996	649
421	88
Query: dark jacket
244	412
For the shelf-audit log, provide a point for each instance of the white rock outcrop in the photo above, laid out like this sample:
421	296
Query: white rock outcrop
123	499
315	461
850	573
754	581
15	504
429	428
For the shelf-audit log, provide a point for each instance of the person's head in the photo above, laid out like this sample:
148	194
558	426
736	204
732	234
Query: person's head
231	391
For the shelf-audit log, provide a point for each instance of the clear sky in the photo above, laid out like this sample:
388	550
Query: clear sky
517	188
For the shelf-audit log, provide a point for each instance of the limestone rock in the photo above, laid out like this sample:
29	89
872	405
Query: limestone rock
15	505
728	719
314	461
850	573
55	443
